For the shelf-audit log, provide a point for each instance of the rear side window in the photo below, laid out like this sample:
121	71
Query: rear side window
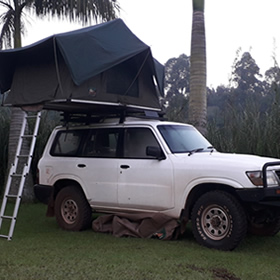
102	143
67	143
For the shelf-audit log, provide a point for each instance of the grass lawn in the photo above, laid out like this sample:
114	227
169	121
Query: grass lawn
40	250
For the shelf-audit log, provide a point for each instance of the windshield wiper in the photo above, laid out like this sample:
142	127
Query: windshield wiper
211	148
195	151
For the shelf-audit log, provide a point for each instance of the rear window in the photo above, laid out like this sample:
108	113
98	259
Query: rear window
67	143
87	143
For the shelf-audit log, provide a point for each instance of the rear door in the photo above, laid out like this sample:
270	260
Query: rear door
98	166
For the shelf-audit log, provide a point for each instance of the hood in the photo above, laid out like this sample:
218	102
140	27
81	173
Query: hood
240	161
224	167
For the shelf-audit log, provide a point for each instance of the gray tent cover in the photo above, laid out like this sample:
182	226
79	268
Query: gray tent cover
97	65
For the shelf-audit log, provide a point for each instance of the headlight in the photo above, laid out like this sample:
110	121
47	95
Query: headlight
256	178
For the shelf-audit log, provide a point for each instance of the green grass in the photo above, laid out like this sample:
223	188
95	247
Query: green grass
40	250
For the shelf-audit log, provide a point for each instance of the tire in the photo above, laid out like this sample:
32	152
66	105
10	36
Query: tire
267	228
72	210
218	221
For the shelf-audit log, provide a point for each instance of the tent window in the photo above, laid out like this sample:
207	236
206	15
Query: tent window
121	80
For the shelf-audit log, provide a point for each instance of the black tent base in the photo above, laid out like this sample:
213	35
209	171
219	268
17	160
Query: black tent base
75	111
86	112
94	107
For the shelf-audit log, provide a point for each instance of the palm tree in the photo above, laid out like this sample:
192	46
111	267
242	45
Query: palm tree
12	20
198	99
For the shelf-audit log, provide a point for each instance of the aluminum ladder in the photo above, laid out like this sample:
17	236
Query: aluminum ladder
17	175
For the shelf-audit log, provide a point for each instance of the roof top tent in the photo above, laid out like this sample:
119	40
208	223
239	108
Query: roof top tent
98	70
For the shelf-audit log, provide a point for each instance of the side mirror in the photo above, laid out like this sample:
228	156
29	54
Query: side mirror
155	152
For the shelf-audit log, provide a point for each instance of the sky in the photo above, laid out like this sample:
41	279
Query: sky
164	25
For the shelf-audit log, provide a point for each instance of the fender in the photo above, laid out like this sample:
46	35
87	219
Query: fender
66	176
208	180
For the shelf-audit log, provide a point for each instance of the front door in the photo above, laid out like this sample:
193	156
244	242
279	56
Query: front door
144	182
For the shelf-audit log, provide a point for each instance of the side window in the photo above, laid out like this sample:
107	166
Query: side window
136	141
102	143
67	143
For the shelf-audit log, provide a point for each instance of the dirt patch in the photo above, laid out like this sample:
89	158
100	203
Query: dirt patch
223	274
218	273
196	268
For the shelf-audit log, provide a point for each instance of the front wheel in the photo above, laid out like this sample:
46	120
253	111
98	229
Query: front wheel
218	221
72	210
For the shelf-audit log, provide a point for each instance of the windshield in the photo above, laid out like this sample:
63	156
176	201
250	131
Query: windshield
183	139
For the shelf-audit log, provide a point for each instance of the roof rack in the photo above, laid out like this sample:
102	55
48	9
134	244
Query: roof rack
89	118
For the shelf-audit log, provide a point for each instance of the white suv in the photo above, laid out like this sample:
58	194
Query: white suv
154	166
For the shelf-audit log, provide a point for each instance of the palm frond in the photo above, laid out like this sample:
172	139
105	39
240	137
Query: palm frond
78	10
6	4
7	19
73	10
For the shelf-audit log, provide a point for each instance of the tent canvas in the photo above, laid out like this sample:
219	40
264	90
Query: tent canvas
102	65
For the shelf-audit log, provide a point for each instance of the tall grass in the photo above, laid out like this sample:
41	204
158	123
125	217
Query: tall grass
247	130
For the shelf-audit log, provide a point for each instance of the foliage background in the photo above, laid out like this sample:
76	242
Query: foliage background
243	116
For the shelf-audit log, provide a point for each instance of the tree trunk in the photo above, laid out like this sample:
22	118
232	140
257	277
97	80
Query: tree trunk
198	98
17	116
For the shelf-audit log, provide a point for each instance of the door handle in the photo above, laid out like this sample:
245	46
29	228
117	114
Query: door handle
81	165
124	166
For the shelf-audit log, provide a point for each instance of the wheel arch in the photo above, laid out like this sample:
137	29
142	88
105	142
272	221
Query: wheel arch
201	189
57	187
60	184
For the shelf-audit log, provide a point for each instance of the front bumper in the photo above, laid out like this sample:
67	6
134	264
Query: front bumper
268	196
264	196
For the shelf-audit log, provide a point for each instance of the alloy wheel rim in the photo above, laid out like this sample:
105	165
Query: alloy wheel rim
69	211
215	222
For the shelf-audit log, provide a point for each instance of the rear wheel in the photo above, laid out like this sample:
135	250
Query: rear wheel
72	210
218	221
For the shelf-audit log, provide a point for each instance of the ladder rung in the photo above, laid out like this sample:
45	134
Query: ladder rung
8	217
23	156
31	116
13	196
28	136
17	175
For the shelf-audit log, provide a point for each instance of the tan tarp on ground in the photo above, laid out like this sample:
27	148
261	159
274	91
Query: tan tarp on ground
143	225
